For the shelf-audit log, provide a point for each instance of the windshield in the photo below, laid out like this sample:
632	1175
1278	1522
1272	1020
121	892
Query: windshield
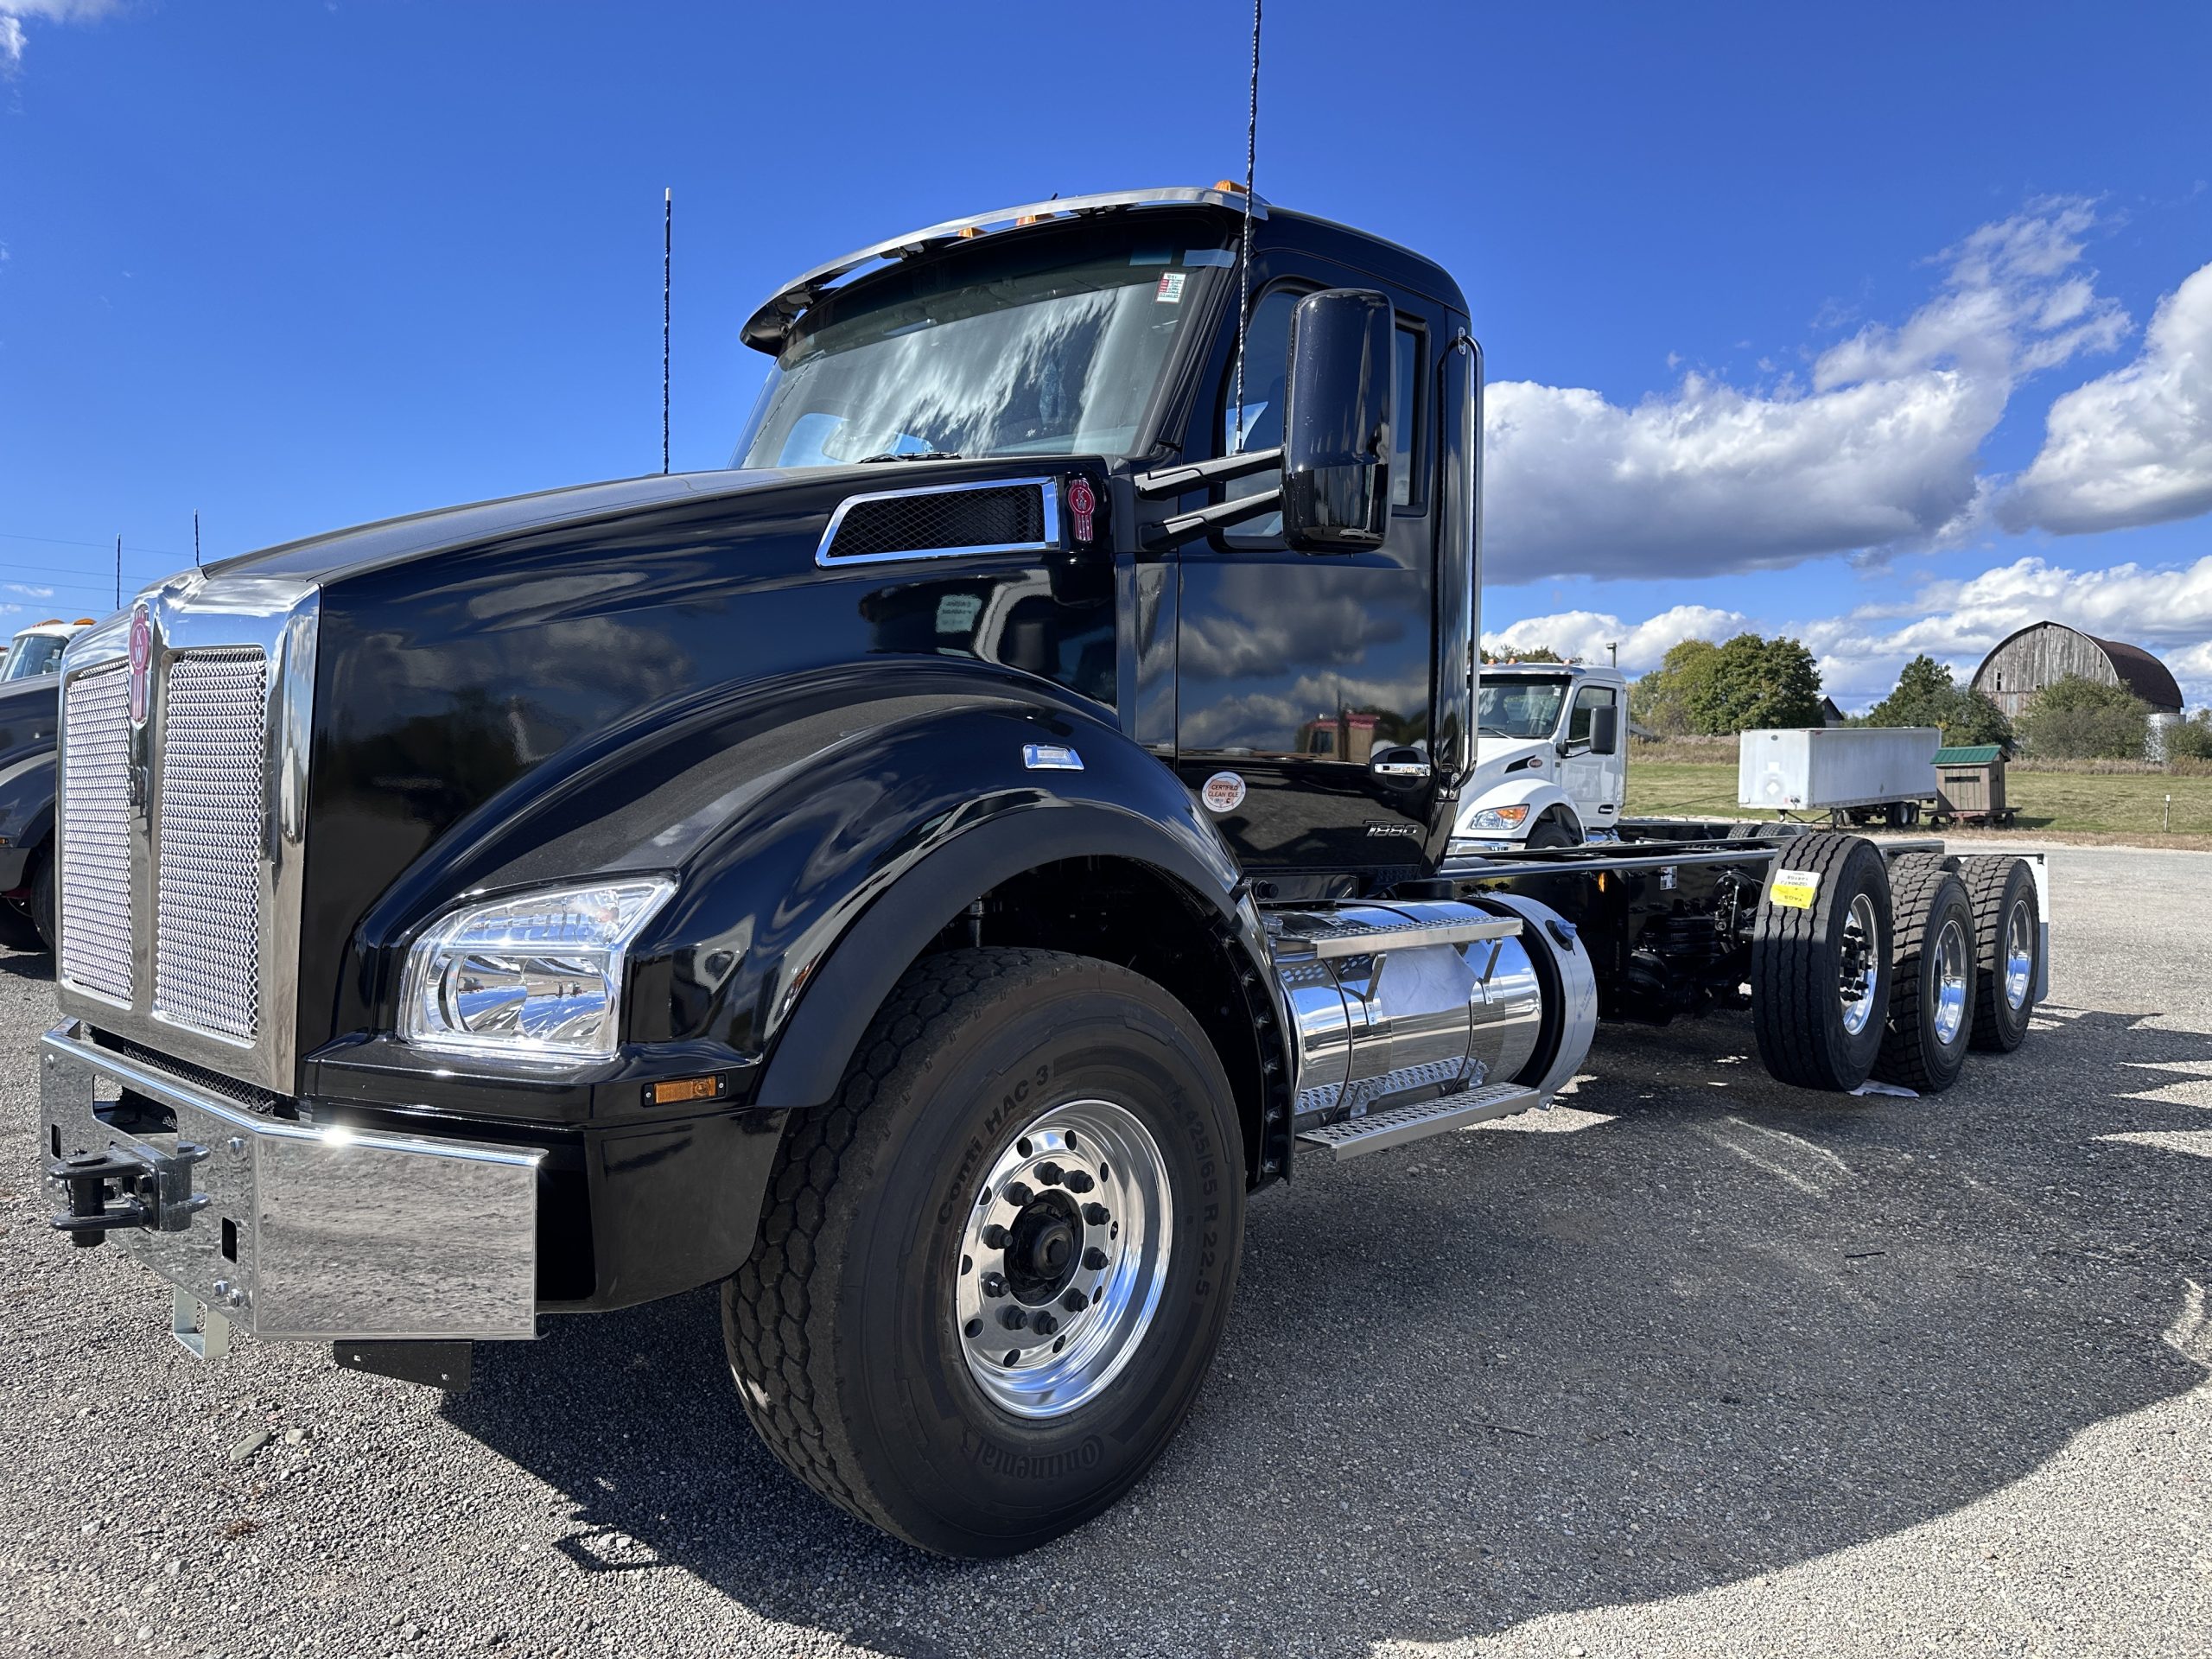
1042	346
32	655
1519	707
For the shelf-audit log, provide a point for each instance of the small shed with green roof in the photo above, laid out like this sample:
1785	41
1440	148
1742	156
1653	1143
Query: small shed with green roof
1970	785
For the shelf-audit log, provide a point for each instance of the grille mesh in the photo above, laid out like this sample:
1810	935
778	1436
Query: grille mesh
943	521
207	945
96	844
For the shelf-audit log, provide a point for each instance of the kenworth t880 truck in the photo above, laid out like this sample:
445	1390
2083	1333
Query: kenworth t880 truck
921	879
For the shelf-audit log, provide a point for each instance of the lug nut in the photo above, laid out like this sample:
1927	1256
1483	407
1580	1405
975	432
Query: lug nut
1095	1214
1094	1258
1014	1319
1050	1173
994	1284
995	1235
1075	1301
1079	1181
1043	1324
1017	1195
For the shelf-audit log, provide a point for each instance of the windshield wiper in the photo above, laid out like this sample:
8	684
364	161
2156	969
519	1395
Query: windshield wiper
910	454
1491	731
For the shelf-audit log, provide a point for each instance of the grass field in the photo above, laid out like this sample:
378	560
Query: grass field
2123	804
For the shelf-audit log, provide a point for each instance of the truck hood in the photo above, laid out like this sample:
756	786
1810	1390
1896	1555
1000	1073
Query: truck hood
364	548
1495	755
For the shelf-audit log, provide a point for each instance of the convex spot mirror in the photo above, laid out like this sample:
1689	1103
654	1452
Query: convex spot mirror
1340	387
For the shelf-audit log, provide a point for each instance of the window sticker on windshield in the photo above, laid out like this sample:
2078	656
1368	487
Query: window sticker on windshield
1171	288
1794	889
1220	256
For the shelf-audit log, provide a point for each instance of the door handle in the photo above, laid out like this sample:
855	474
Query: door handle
1402	771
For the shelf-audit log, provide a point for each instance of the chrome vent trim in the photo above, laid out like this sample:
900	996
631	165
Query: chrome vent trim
939	521
95	888
207	877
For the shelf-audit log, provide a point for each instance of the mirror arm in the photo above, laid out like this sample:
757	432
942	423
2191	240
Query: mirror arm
1174	480
1184	526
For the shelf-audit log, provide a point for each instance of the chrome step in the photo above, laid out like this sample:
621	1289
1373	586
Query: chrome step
1319	936
1395	1125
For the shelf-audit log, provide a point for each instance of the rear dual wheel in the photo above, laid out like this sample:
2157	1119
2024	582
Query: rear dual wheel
1930	1016
2008	950
992	1273
1820	962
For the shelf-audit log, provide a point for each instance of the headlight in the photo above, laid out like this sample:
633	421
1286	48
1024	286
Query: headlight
1495	817
534	977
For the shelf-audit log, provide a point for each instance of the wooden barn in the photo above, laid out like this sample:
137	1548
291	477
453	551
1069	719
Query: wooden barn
2031	660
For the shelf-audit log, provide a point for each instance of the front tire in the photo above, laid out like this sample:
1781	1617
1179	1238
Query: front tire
1018	1130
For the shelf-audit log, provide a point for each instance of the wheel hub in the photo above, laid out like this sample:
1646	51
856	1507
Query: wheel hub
1063	1258
1856	975
2020	954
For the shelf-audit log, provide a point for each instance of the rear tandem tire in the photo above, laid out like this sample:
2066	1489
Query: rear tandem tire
1931	978
856	1333
2008	958
1810	1032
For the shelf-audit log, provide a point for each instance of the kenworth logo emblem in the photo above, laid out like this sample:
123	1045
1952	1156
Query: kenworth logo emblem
142	661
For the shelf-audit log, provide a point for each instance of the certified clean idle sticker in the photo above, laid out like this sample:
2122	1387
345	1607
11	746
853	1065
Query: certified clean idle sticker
1794	889
1224	792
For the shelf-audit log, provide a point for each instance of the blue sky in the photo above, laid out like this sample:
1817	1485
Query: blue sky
1778	300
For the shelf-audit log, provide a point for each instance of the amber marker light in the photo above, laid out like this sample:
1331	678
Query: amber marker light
676	1090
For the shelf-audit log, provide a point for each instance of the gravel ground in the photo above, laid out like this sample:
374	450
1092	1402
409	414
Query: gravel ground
1695	1364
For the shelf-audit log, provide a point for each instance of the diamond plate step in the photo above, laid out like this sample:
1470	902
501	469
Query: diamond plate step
1398	1124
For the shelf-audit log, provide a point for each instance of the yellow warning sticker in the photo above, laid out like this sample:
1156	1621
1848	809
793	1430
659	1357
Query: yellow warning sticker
1794	889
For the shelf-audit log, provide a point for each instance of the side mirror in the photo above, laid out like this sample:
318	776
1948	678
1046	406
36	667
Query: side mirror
1605	729
1338	393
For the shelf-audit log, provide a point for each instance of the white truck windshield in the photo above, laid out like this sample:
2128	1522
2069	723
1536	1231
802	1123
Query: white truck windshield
1043	348
1519	707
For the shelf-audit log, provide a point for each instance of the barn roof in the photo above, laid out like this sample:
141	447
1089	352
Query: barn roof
2135	668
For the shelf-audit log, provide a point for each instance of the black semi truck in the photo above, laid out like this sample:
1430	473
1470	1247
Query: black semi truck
921	879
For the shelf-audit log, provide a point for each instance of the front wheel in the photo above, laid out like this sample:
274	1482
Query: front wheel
992	1273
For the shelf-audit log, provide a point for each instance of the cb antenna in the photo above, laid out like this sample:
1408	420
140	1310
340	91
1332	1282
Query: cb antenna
1245	262
195	540
667	252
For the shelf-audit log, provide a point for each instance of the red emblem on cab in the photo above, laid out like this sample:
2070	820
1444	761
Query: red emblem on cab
142	661
1082	503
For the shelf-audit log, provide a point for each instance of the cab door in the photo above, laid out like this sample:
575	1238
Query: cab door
1596	783
1304	680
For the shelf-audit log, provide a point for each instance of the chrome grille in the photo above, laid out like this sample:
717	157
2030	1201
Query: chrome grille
96	844
208	875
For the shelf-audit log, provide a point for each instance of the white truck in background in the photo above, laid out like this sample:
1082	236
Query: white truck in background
1551	755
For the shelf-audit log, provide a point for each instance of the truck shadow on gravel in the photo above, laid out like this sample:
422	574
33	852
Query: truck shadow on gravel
1704	1327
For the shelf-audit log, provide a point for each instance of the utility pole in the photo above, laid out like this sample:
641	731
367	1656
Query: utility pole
667	256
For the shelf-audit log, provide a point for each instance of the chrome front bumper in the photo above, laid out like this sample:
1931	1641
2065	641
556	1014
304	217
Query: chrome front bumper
296	1232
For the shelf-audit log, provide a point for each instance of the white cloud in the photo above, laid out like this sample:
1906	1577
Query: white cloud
12	13
1583	635
2134	447
1880	450
2168	612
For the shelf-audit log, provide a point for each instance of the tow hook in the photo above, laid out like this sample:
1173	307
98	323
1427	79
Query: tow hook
151	1190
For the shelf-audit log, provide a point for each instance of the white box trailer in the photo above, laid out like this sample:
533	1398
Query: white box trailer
1839	769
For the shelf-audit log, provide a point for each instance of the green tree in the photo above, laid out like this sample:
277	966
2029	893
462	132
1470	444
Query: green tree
1752	683
2079	719
2191	740
1661	700
1926	695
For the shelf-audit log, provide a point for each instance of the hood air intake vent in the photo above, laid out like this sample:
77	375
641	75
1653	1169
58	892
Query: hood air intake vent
944	521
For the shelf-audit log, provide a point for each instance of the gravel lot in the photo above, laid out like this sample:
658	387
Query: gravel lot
1694	1365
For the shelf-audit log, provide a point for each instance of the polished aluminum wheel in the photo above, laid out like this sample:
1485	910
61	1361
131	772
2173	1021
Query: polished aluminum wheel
1063	1257
1858	975
2019	953
1951	957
